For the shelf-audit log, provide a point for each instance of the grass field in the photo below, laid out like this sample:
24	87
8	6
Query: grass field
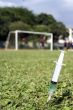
25	78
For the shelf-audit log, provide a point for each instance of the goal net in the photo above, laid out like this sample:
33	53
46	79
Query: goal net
29	40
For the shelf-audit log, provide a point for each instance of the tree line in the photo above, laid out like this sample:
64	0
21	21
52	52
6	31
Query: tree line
17	18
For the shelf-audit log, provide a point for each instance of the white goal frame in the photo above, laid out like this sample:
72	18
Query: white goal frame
28	32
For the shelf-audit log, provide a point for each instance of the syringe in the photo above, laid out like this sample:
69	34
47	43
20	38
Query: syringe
56	74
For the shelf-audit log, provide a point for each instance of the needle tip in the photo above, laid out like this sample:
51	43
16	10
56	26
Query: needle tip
49	97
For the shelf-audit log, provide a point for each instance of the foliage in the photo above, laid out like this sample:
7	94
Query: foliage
19	26
45	19
23	19
41	28
25	77
57	29
3	32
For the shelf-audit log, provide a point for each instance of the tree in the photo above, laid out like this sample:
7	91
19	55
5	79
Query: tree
41	28
12	18
19	25
58	29
45	19
3	32
25	15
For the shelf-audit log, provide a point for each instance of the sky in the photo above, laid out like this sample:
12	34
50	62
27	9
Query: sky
62	10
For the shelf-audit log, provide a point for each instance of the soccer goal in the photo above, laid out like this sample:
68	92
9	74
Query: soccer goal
29	40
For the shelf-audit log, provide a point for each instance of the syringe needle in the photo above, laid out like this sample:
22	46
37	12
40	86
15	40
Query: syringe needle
49	97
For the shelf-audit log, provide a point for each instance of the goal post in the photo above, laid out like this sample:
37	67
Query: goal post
16	37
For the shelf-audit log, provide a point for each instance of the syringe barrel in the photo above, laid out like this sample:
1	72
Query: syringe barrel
58	67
